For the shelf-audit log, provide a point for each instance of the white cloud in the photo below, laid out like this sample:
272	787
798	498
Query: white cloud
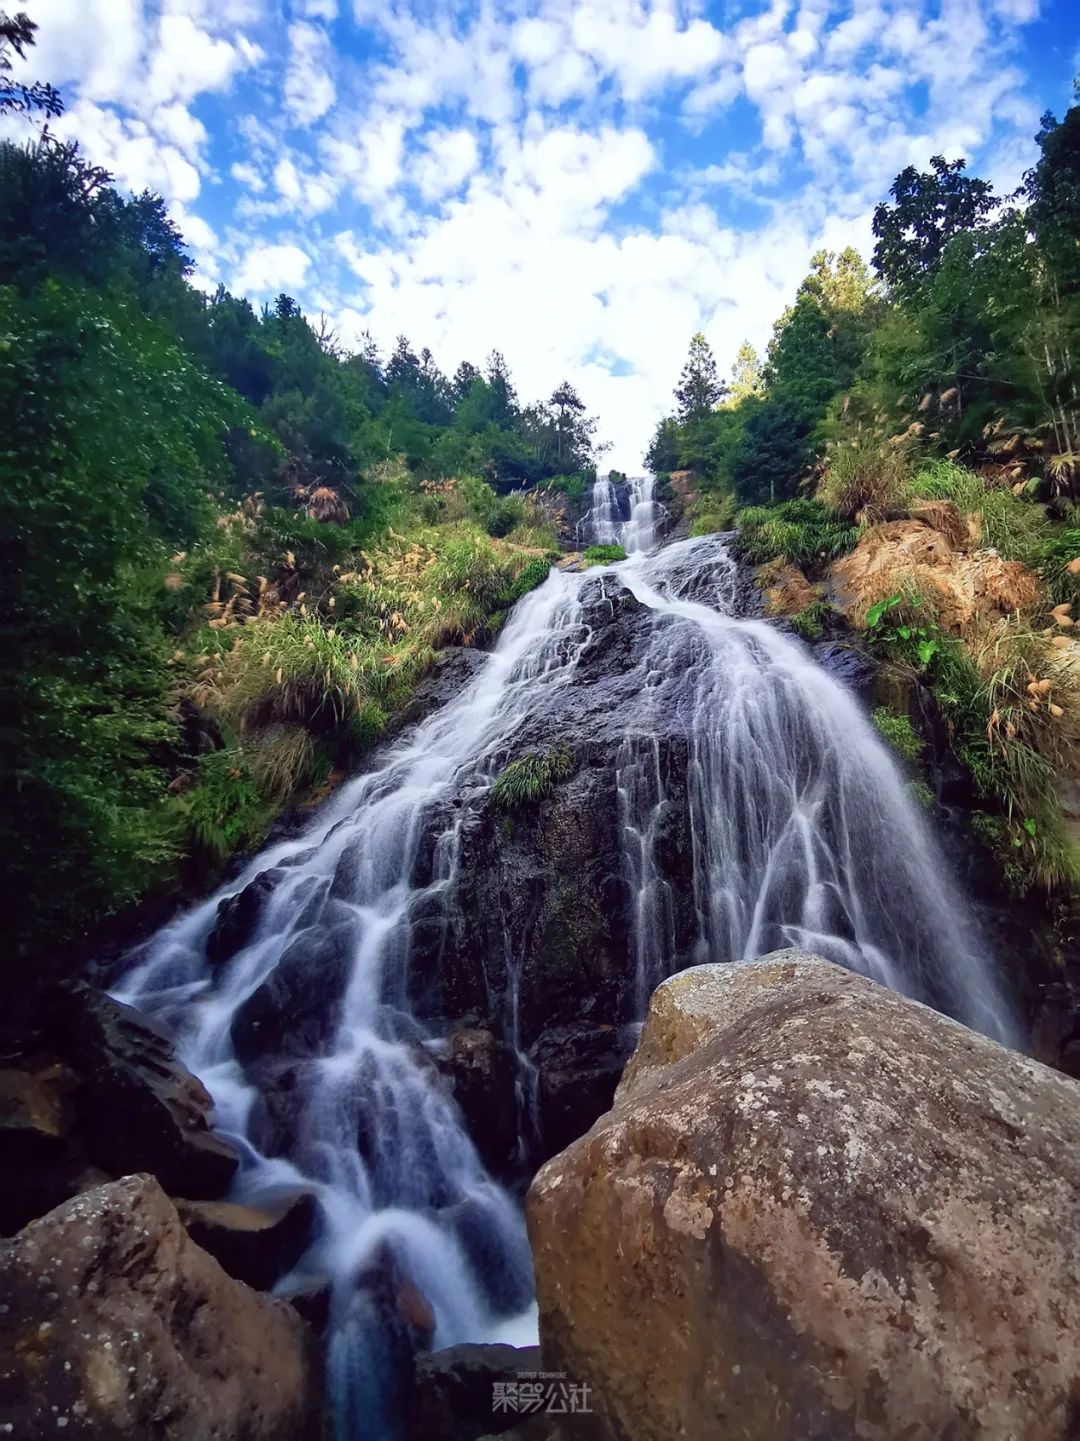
581	183
446	161
188	61
247	176
309	84
268	268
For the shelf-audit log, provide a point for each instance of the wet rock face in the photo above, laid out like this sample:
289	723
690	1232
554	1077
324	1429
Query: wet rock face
453	1398
254	1244
816	1210
139	1108
117	1326
107	1099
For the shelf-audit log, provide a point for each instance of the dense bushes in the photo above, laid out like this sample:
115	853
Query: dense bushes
804	532
226	548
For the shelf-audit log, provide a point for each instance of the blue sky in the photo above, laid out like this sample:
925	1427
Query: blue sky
580	185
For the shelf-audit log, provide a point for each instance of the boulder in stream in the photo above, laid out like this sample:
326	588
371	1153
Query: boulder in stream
116	1325
819	1210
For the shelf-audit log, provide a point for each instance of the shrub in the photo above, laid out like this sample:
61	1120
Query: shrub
292	670
283	760
226	811
1014	712
898	732
572	486
603	554
864	479
532	574
714	513
531	777
803	532
811	621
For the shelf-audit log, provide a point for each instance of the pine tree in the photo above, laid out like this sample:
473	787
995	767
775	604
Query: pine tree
746	376
700	388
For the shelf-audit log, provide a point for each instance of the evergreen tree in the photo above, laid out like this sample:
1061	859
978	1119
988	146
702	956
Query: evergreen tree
746	376
464	376
504	402
700	388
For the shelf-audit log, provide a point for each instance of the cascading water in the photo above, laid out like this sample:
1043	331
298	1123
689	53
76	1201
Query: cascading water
601	522
626	516
802	832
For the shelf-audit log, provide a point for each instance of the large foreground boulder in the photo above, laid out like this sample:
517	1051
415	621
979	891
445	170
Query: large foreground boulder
816	1210
117	1326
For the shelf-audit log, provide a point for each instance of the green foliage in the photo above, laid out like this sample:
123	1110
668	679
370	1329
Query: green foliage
803	532
928	210
903	627
810	622
226	811
531	777
532	574
573	486
111	446
603	554
714	512
922	794
898	732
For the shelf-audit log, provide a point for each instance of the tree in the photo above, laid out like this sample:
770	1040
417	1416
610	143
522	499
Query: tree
1053	189
930	208
569	409
662	455
772	454
17	34
746	376
700	387
464	376
504	402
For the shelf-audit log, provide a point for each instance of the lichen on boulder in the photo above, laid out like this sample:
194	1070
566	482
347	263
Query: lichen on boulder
117	1325
819	1210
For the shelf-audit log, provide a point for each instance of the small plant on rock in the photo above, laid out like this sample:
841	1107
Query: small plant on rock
897	731
531	777
810	622
604	554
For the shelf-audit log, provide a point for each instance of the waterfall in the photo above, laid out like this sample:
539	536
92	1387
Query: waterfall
601	522
802	832
629	520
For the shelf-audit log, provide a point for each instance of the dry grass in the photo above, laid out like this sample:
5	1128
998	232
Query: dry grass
865	481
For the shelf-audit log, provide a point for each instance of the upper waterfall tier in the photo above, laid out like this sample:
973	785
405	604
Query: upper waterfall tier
626	514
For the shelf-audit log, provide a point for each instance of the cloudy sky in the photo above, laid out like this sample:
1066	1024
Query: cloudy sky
581	185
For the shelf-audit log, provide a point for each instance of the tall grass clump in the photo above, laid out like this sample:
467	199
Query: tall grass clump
1014	710
803	532
865	480
531	777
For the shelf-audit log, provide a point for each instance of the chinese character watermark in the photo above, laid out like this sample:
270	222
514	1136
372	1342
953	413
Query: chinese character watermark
533	1392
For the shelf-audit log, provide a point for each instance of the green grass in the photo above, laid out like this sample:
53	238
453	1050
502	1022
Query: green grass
802	532
713	513
810	622
898	732
531	777
534	573
604	554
